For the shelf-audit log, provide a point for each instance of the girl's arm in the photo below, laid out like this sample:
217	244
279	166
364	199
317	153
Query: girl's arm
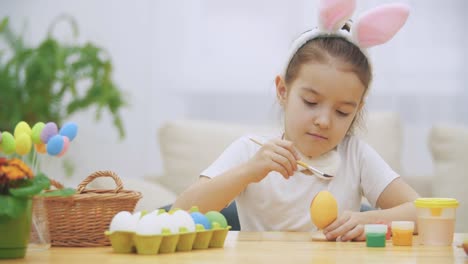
396	202
214	194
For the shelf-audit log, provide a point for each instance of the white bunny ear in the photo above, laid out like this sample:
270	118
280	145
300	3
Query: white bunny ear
380	24
333	14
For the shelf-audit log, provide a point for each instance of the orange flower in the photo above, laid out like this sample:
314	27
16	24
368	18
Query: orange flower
15	169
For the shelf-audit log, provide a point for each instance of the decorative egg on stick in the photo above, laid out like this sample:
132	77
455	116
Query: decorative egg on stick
41	148
22	128
8	143
66	144
50	129
23	144
69	130
323	209
43	138
36	132
55	145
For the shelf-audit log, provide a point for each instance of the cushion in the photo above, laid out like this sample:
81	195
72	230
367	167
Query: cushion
190	146
449	146
383	131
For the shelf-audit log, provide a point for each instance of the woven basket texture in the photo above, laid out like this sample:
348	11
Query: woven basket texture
80	220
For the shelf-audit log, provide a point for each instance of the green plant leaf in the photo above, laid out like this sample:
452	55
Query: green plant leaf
37	184
3	24
54	80
62	192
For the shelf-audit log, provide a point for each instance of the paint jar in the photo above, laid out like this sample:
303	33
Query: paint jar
402	233
375	235
436	220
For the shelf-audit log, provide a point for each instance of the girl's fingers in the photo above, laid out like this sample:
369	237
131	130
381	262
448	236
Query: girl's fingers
337	223
290	147
286	150
283	155
354	234
283	165
343	229
362	236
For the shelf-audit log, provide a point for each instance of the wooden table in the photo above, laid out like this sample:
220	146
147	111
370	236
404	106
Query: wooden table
268	247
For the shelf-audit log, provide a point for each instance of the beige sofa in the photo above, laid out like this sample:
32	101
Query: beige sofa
189	146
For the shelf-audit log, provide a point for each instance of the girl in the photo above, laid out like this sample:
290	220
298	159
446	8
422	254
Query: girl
322	92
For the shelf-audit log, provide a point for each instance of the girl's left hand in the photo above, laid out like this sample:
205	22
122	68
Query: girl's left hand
348	226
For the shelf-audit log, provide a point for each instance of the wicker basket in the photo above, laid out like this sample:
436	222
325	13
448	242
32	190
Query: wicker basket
81	219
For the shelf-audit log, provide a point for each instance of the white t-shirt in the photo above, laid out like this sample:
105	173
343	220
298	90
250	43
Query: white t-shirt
277	204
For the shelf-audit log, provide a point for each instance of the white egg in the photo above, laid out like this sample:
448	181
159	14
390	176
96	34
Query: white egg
167	221
123	221
149	225
137	215
183	219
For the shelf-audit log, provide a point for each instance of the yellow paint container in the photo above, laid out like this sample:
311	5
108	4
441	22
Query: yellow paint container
436	220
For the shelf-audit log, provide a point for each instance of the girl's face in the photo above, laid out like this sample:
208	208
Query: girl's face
319	106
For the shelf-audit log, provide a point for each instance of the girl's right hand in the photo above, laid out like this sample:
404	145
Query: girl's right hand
275	155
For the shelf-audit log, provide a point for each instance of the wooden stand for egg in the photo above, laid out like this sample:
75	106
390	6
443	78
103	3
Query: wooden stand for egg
323	211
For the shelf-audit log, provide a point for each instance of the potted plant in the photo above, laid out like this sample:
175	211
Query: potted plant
54	80
18	185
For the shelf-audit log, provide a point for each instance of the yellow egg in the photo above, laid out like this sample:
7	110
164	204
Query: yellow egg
323	209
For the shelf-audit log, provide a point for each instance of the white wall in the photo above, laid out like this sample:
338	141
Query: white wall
183	59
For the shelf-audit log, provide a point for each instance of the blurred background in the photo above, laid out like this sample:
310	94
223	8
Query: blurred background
216	60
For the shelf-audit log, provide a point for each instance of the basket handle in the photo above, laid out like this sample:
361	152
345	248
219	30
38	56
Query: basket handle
97	174
56	184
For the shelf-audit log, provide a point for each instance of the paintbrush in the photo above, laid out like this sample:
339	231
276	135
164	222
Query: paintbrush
314	171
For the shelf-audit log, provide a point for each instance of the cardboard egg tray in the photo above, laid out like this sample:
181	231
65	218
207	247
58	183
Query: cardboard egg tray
130	242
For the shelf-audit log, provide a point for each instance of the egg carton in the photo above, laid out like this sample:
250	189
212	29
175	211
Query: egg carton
167	232
131	242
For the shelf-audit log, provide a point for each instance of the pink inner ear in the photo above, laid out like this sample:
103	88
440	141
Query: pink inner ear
380	24
334	13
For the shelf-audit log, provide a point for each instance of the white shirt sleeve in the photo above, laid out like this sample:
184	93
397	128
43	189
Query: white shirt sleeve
237	153
375	173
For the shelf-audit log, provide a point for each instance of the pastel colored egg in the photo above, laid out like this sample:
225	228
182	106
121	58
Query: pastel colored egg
323	209
22	127
55	145
36	132
23	144
69	130
201	219
8	143
41	148
217	217
66	144
50	129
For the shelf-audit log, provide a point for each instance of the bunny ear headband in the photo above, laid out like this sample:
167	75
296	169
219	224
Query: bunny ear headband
372	28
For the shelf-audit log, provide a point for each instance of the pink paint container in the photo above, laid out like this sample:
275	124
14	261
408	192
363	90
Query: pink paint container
436	220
